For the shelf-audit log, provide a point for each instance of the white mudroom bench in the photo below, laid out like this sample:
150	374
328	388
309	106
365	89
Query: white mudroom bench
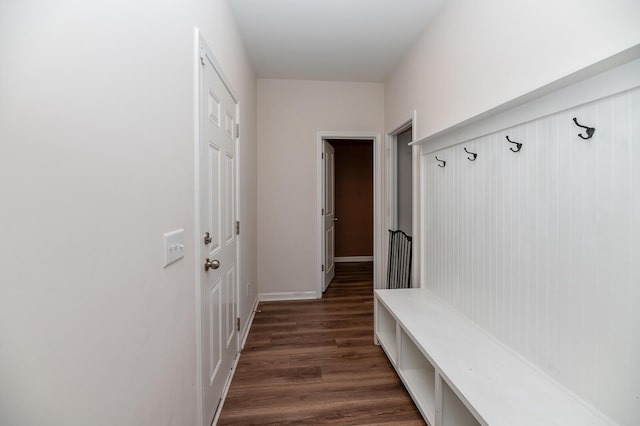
459	375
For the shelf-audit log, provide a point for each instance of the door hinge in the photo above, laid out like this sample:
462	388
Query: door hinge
237	130
237	227
202	56
238	324
323	155
322	268
322	213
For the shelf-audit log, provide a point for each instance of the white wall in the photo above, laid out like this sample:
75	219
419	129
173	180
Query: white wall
478	55
96	162
290	113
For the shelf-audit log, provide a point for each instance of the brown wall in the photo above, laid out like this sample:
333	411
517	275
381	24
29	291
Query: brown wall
354	197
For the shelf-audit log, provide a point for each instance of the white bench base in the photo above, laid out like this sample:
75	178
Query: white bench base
459	375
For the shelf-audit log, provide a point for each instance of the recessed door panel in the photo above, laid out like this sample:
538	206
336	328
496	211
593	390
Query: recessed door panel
214	108
214	171
214	300
229	199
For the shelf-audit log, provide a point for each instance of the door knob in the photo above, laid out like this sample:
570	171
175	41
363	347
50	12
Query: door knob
335	219
211	264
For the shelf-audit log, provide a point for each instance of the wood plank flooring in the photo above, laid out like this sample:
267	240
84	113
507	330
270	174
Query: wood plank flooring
314	362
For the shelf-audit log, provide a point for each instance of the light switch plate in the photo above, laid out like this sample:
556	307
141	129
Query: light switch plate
173	246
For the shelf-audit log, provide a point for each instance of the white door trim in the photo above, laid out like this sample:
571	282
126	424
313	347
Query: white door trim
378	207
392	182
201	47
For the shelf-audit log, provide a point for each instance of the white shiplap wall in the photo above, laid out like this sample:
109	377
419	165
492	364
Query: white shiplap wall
542	247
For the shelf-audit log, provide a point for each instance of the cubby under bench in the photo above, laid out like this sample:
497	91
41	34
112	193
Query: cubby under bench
459	375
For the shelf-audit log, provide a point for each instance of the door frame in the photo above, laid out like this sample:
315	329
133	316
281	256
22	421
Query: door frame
392	184
201	45
378	207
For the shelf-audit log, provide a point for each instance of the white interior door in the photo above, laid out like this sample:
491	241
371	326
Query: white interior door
329	214
218	272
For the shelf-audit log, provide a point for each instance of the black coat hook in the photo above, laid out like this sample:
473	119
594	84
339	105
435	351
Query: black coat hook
590	130
518	145
472	153
444	163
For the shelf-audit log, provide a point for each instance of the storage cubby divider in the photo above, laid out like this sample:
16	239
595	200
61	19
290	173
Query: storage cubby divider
386	328
419	374
454	412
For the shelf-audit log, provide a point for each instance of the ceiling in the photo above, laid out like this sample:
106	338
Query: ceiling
331	40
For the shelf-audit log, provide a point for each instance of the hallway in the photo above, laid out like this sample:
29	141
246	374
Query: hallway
312	362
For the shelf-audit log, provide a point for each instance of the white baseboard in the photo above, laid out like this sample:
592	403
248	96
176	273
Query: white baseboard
293	295
353	259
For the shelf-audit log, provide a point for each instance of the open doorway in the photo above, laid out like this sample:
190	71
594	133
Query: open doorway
353	200
349	197
403	187
348	204
404	184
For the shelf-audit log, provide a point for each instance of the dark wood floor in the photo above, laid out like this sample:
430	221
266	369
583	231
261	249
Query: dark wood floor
314	362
